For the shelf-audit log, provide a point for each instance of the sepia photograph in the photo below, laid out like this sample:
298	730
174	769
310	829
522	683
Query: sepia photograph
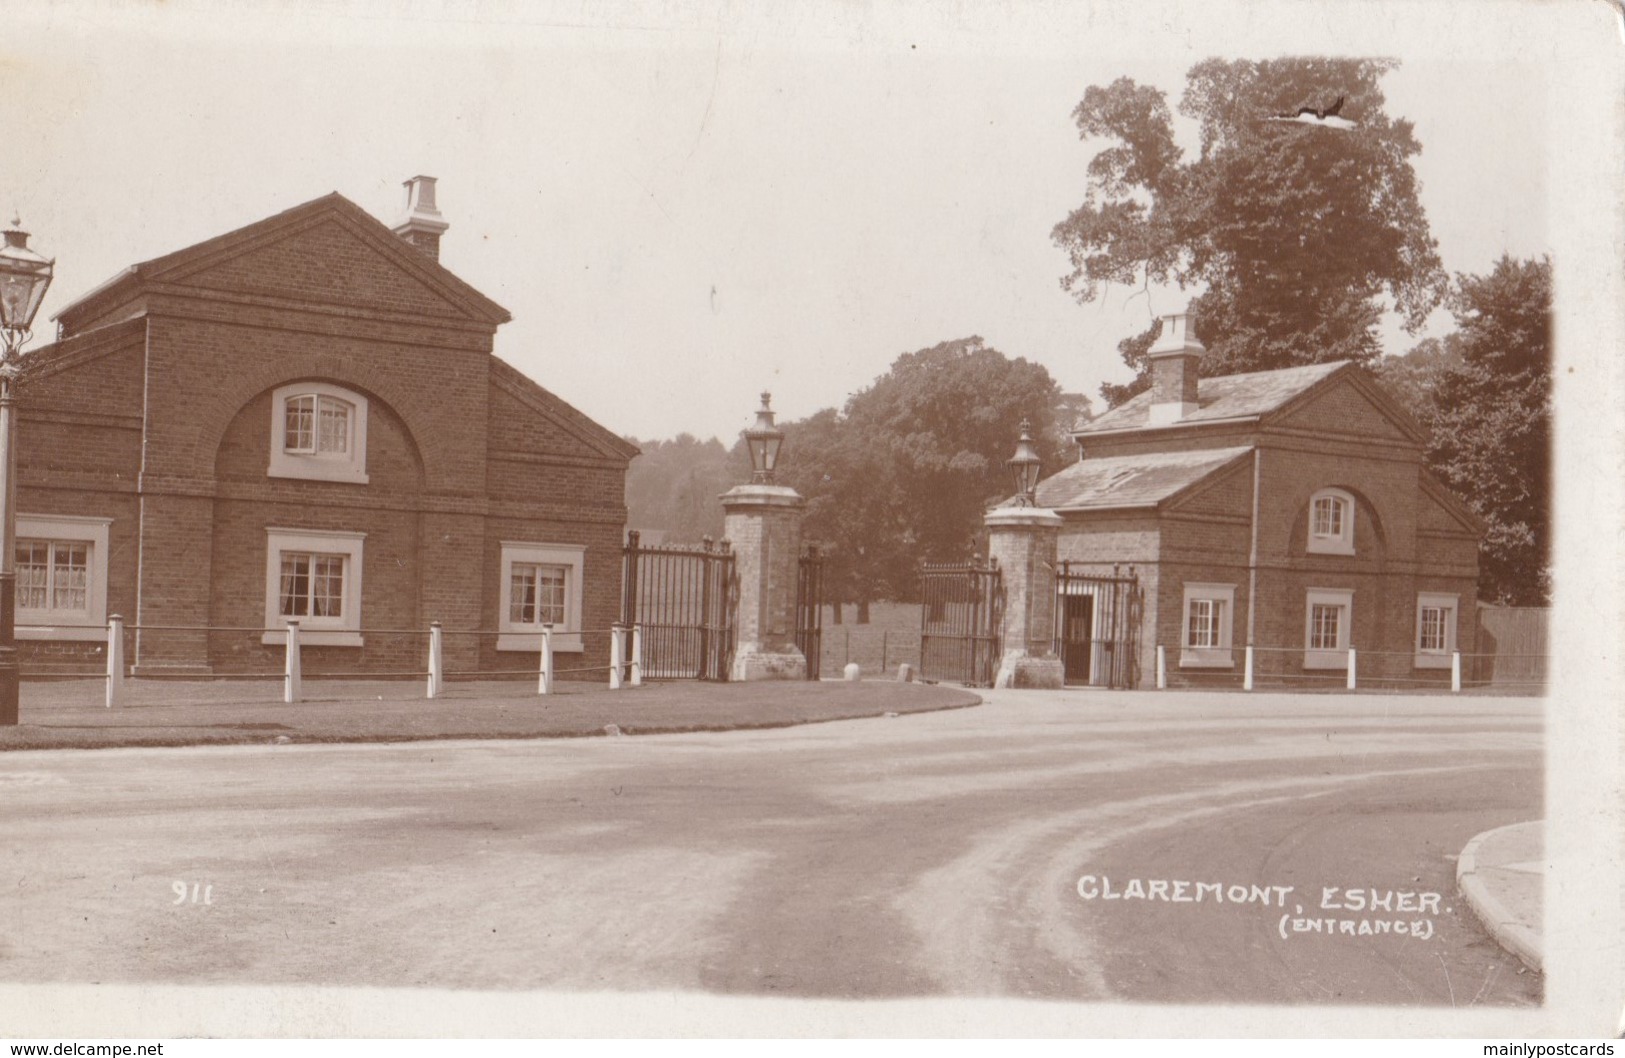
848	519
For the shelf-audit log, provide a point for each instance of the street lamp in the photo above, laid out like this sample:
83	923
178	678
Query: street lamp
1024	465
24	275
764	440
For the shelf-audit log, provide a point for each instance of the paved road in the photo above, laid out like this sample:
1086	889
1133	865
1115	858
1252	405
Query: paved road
942	854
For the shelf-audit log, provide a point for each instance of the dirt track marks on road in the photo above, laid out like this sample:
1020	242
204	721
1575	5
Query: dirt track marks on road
1003	915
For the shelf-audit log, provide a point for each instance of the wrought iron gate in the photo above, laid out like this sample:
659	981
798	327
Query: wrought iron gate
1097	626
684	600
810	609
961	621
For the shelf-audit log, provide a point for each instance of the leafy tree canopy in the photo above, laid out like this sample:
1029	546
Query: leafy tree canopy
904	472
1491	423
1298	233
673	486
1413	377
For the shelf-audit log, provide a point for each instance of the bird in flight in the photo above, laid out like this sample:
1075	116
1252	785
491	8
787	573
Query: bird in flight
1326	118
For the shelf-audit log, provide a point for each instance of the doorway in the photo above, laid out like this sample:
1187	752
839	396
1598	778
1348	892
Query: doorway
1077	637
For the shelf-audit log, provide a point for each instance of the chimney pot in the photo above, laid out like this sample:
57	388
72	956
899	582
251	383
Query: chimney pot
1174	358
423	225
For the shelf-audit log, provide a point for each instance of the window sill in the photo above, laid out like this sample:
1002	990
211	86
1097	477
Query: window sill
314	637
1206	658
1432	661
64	633
338	478
531	642
1326	659
299	468
1329	547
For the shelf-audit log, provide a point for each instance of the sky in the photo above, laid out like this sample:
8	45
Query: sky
683	206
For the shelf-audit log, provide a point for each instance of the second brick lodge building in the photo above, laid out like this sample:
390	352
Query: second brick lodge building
303	419
1289	510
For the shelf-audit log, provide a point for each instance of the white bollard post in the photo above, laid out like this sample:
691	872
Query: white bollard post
544	681
290	665
1351	682
617	654
637	655
1162	667
115	661
1455	671
437	662
1247	669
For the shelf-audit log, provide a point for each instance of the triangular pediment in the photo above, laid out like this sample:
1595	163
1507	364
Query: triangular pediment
1349	404
327	252
327	263
1226	491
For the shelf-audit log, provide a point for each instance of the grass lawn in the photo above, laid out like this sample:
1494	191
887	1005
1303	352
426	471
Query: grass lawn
163	713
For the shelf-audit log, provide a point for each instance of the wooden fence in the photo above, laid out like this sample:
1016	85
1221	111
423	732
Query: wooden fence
1512	645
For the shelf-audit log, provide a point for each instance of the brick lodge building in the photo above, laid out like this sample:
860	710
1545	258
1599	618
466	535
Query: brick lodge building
303	419
1288	509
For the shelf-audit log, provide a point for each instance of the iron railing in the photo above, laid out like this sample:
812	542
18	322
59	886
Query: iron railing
684	599
810	610
1097	626
961	621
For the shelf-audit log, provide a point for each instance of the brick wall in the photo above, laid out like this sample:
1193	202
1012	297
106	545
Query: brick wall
176	564
1174	379
203	372
1107	537
1026	554
456	463
766	542
79	438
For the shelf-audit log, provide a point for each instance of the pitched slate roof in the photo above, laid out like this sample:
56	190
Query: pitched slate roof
1222	397
1132	481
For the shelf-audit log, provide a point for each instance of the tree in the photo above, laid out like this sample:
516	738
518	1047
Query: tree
1412	378
1491	422
673	486
905	471
1297	233
850	488
1072	409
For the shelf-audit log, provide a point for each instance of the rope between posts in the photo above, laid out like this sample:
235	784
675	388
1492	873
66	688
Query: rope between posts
356	675
293	677
200	677
526	633
517	673
199	628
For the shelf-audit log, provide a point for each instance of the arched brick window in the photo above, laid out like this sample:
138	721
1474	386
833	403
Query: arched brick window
1331	522
318	432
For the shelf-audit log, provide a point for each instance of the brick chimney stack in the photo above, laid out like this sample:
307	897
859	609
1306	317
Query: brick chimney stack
423	225
1174	359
